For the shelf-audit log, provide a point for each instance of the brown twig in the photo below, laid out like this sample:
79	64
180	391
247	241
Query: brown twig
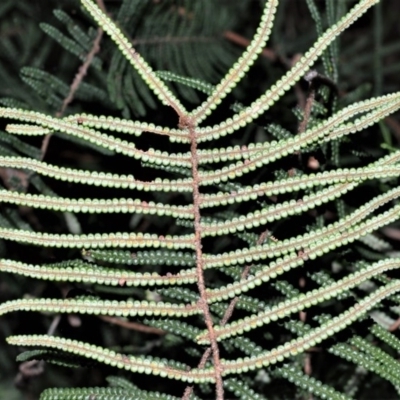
309	103
242	41
82	71
100	3
229	311
302	128
394	125
394	326
307	356
271	55
134	326
308	370
33	368
391	233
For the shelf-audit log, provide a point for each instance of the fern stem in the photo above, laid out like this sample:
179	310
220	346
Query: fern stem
199	259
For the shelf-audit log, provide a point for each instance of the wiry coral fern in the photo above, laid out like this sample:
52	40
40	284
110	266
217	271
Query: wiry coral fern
218	281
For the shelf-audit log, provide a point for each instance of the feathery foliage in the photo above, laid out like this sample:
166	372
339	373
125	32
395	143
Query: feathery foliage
244	258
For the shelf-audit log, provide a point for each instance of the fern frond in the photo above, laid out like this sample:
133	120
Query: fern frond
240	68
103	394
126	48
302	301
240	365
87	273
93	177
266	224
95	205
120	239
309	384
99	307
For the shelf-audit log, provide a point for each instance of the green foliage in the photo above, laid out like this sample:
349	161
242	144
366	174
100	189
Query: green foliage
251	241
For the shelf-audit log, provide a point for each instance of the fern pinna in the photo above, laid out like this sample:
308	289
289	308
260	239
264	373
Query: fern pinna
266	267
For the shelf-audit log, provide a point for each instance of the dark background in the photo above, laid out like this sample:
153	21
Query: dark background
369	61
